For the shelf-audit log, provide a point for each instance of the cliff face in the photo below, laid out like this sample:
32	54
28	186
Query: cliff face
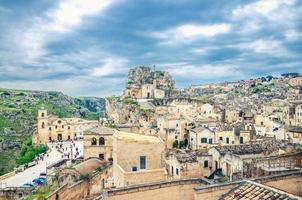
144	75
18	112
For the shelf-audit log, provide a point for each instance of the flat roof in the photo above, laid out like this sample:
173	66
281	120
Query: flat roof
121	135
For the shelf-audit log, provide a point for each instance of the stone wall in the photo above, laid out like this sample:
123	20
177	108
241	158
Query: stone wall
14	193
84	188
168	190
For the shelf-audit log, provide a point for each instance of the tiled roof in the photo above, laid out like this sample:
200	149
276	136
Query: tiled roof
252	190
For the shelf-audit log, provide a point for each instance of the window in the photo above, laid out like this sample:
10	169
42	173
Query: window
204	140
68	127
220	138
101	156
142	162
59	122
227	140
210	141
49	128
42	114
93	141
241	140
177	171
62	126
205	164
101	141
134	168
43	125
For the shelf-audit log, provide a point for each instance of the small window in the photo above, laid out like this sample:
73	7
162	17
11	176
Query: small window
101	141
205	164
42	114
49	128
93	141
241	140
56	126
68	127
210	141
204	140
59	122
220	138
101	156
142	162
177	171
43	125
134	168
62	126
227	140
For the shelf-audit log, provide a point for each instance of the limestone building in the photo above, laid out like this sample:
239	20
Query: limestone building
137	159
98	143
52	128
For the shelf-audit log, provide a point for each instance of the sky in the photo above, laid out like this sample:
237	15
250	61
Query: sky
86	47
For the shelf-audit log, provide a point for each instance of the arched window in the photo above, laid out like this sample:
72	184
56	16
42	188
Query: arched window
93	141
42	114
43	125
101	141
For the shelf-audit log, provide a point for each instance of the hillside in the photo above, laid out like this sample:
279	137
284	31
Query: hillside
18	111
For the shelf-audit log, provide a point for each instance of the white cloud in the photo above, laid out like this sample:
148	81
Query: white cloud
270	47
71	12
292	35
263	7
202	71
265	14
110	66
189	32
192	31
68	15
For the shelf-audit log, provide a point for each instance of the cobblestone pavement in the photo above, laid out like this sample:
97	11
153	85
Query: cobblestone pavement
33	172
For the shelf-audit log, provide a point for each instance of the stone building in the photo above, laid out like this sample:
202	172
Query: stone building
201	138
182	164
234	160
51	128
98	143
294	135
137	159
296	81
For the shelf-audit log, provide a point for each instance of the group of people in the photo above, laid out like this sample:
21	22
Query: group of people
67	150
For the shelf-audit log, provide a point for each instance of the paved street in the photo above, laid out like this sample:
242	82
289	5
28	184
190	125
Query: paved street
33	172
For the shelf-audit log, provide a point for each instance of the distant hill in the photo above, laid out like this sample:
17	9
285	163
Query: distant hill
18	113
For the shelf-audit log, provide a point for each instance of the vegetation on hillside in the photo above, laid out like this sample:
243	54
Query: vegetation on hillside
40	193
18	113
29	152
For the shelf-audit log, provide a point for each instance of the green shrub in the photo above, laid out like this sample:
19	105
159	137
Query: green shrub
29	152
84	176
130	101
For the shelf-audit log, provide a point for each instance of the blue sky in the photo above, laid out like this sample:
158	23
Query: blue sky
87	47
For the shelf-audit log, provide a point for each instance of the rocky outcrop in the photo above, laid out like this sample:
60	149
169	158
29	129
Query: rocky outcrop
144	75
